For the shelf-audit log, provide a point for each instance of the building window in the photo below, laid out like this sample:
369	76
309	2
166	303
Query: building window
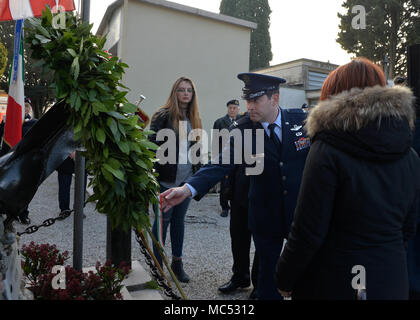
316	80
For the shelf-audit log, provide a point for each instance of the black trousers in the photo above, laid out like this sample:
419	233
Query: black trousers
64	183
241	244
224	202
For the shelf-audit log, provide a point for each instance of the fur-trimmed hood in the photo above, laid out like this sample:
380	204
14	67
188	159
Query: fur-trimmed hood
374	123
354	109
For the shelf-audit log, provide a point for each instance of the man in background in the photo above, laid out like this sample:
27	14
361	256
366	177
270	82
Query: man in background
224	123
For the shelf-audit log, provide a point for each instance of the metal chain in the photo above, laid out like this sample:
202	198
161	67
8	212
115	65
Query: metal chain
47	223
155	272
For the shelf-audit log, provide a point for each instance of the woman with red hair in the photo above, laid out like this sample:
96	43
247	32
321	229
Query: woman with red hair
358	200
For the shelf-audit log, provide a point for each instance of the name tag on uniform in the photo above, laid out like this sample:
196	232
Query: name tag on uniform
302	143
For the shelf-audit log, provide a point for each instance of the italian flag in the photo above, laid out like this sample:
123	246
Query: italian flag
15	113
22	9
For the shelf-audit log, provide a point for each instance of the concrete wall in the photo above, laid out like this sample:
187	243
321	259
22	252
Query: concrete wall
292	98
113	29
160	45
293	73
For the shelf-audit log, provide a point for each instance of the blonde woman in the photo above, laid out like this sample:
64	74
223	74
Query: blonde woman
180	114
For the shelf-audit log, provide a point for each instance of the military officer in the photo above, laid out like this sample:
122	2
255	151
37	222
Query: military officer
272	193
220	124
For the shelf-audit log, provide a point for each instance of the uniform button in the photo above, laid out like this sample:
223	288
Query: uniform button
281	164
285	192
284	178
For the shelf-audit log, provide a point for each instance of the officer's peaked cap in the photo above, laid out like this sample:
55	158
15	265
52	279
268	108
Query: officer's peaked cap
234	101
256	85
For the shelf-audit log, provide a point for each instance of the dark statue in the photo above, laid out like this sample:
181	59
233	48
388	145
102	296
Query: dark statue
22	170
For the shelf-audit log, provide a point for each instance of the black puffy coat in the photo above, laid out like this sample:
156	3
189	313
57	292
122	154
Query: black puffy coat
358	200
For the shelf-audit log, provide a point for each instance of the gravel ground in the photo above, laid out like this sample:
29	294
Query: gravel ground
207	253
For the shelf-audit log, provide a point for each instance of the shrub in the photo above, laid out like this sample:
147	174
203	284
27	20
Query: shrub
39	260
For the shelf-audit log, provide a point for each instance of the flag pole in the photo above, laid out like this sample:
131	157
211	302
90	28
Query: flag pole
79	186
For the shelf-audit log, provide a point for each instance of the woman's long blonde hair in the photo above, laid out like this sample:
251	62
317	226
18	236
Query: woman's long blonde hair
172	107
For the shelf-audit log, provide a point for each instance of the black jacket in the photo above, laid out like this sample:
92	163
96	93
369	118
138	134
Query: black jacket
26	126
224	123
358	200
162	120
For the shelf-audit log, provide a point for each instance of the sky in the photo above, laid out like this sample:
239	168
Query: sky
299	28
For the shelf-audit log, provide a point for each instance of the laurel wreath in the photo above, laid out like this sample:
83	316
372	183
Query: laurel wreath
118	154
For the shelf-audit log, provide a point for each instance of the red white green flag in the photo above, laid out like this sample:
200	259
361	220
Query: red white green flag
22	9
15	113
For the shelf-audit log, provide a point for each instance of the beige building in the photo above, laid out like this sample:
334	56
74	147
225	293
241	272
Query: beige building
304	77
162	40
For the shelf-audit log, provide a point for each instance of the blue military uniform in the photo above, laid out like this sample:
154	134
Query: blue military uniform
273	193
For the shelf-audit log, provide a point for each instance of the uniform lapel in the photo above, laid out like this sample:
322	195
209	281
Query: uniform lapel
284	128
227	121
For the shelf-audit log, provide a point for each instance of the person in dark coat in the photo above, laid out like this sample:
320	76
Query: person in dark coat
65	174
178	116
274	139
358	202
413	255
240	236
220	124
27	124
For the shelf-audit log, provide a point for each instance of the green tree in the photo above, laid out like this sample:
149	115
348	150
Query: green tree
257	11
37	84
391	26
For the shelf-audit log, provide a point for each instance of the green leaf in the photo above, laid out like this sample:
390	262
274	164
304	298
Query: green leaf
106	152
42	38
81	46
124	147
129	108
122	129
116	115
92	95
102	86
107	175
116	173
99	107
142	164
100	135
113	126
114	163
148	132
91	84
75	68
78	103
73	97
149	145
72	52
44	31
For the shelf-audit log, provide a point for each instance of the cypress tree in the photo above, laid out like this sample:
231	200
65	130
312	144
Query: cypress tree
257	11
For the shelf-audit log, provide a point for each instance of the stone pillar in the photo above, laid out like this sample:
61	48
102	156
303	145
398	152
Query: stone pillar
11	281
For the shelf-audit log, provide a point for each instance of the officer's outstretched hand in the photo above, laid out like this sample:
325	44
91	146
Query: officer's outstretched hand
174	196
